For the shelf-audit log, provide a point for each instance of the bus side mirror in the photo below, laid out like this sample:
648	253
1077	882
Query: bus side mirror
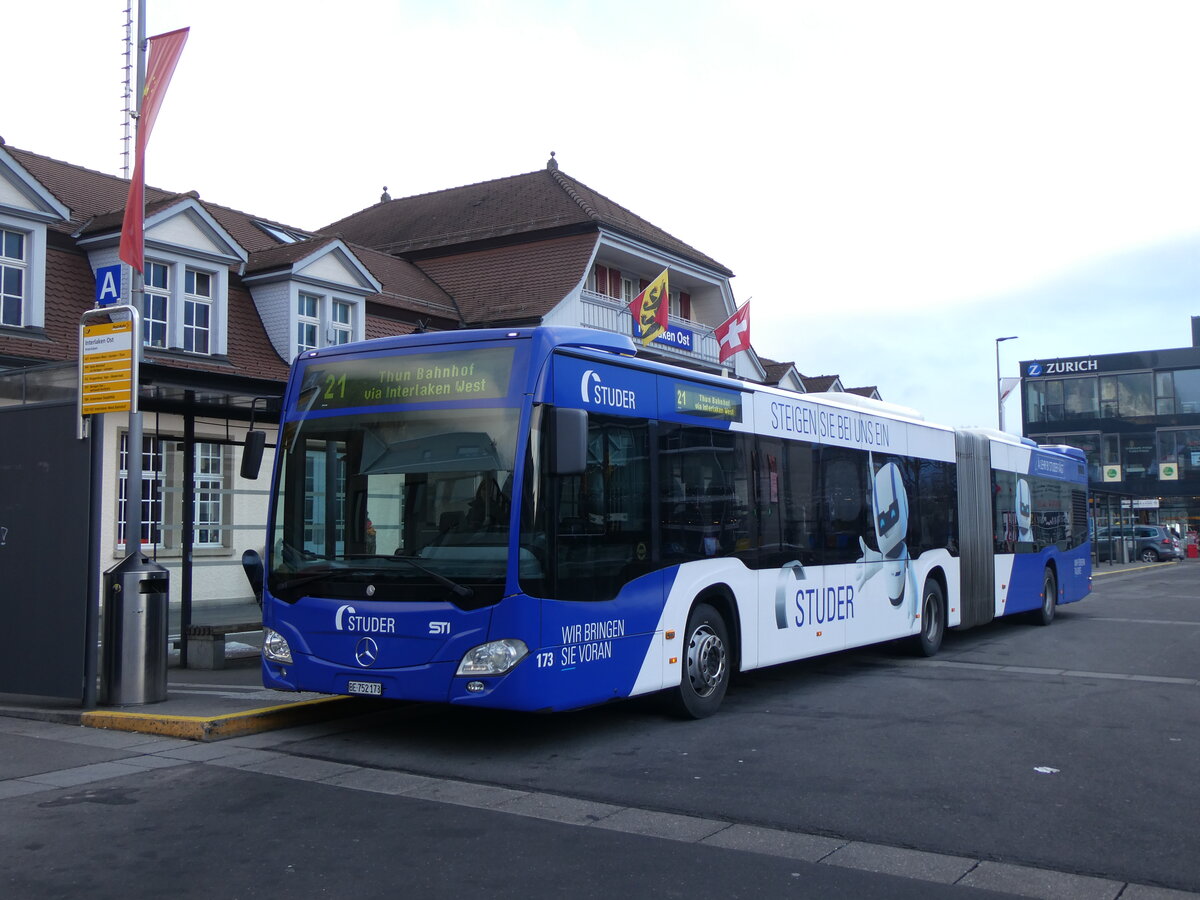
569	452
252	565
252	453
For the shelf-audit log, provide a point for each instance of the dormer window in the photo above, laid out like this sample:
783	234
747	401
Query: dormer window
308	322
13	277
180	308
157	296
197	311
322	321
341	326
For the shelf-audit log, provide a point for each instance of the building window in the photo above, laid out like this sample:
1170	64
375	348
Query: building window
197	311
322	322
1080	398
184	319
157	300
13	277
163	493
1164	394
1183	449
1126	396
1187	391
152	491
341	324
209	483
1137	456
308	322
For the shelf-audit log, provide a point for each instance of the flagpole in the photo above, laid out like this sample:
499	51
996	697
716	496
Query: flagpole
133	465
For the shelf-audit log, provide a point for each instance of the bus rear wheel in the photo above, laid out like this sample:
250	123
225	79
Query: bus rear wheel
1045	614
933	620
706	658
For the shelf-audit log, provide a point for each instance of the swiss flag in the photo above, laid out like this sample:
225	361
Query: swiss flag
733	335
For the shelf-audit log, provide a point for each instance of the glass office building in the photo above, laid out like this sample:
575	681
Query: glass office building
1135	415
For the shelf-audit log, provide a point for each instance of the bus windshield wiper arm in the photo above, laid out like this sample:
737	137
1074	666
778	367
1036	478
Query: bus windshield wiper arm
460	590
306	578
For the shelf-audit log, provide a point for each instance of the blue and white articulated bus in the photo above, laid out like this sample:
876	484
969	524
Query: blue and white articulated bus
536	519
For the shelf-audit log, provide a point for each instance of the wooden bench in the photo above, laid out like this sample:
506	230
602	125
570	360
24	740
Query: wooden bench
206	643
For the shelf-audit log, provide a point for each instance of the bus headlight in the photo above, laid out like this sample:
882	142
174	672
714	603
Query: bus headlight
275	648
493	658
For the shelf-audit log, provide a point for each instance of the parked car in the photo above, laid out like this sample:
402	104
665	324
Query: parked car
1150	543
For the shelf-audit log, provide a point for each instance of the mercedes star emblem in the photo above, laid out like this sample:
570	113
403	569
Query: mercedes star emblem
366	652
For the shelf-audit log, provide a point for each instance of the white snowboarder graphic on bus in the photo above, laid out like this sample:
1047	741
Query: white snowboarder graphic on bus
889	507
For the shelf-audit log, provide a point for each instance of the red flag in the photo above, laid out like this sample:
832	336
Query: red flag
163	54
733	335
651	309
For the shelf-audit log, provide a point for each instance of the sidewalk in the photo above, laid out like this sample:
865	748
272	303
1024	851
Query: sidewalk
201	705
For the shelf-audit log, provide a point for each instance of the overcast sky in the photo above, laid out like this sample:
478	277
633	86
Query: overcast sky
896	184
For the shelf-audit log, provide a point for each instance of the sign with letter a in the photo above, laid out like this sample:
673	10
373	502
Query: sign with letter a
108	285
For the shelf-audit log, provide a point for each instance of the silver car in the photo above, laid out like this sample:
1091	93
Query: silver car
1149	543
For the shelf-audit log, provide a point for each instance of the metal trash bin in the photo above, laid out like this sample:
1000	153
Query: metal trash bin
136	592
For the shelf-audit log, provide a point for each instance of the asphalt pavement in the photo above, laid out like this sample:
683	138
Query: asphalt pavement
83	798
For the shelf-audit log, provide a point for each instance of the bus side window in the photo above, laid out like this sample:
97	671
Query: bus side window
845	504
1004	511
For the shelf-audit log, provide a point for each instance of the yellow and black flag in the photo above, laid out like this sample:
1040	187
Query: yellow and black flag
651	309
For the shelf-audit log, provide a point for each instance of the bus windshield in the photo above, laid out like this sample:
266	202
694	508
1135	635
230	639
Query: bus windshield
412	505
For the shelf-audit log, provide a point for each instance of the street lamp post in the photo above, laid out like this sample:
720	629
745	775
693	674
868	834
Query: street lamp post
999	386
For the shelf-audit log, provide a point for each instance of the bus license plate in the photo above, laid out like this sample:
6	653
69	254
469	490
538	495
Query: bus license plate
372	688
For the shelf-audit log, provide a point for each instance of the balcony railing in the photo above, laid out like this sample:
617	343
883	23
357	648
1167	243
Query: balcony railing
607	314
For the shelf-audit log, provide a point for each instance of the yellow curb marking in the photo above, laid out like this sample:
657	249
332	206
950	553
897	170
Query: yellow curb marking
203	728
1096	574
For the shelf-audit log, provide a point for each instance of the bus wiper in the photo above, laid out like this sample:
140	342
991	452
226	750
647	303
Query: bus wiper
460	590
307	578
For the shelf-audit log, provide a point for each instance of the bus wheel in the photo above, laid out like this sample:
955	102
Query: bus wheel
705	664
1045	615
933	620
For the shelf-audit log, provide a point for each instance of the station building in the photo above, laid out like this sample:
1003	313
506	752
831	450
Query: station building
1136	416
231	298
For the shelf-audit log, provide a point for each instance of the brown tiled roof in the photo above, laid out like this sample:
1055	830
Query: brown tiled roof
97	200
280	256
775	371
85	192
404	286
869	391
819	383
546	201
114	221
377	328
513	283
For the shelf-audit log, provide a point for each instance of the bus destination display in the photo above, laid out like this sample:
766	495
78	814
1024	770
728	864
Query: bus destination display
710	403
416	378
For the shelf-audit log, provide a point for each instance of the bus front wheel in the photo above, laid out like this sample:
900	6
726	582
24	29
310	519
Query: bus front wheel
705	676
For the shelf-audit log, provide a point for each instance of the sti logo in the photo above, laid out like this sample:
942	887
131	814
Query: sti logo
596	393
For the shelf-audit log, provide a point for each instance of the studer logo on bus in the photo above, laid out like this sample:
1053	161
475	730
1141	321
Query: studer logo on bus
346	619
594	391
